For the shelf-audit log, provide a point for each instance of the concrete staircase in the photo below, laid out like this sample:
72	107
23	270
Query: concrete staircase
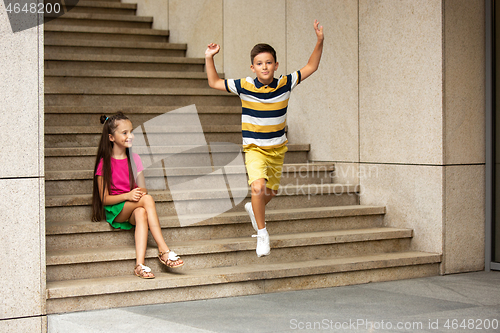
101	58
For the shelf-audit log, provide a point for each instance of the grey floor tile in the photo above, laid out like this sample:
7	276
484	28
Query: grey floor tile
419	302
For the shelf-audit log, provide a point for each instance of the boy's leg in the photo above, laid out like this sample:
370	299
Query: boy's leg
261	195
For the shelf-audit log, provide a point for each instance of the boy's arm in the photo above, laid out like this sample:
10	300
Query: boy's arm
214	81
313	63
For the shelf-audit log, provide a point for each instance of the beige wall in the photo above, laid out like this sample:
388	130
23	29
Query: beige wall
22	227
401	114
399	93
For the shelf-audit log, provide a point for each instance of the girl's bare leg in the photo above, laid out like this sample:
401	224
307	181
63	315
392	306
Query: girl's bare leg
139	218
148	204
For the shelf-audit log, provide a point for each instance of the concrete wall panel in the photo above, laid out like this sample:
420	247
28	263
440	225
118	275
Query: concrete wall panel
400	73
464	224
22	244
324	108
197	23
247	23
464	82
413	196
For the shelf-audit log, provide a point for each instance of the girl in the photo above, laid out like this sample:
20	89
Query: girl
123	200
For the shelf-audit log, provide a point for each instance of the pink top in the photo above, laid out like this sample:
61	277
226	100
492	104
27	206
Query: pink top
119	174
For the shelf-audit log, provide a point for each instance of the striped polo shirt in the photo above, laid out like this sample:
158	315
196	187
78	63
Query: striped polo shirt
263	116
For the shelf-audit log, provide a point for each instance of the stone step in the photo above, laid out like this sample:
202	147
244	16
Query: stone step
102	0
87	115
80	181
87	234
128	290
210	201
57	32
108	7
81	136
128	97
100	20
82	79
83	46
88	263
73	61
83	158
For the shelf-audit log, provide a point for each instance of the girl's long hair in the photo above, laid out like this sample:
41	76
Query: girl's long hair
104	152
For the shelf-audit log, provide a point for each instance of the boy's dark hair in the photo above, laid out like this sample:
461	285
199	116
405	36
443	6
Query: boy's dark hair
262	48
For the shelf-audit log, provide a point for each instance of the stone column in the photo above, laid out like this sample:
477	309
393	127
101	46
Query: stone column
464	135
22	225
422	122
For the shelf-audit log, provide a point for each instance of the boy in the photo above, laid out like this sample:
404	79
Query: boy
264	102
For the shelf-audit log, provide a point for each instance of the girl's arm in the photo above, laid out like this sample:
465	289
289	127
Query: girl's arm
313	63
134	195
141	182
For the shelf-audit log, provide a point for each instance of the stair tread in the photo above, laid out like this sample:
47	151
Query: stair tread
105	30
185	277
135	91
151	129
63	72
122	58
272	215
137	109
103	17
114	44
107	4
205	246
91	151
166	195
190	171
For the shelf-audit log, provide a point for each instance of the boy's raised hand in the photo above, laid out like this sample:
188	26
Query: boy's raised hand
318	30
212	50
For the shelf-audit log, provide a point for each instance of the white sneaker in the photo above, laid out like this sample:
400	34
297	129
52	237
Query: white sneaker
249	209
263	248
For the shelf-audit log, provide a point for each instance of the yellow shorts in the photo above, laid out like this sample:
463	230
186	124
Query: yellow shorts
265	163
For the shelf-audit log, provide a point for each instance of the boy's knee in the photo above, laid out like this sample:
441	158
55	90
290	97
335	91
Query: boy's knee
259	187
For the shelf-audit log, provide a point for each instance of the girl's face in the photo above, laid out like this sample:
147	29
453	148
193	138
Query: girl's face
123	135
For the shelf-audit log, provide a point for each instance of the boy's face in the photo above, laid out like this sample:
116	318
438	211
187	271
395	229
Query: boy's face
264	67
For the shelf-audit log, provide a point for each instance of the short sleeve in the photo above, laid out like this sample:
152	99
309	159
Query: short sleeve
231	86
295	78
99	169
138	163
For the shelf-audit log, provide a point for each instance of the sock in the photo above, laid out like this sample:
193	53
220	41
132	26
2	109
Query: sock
262	231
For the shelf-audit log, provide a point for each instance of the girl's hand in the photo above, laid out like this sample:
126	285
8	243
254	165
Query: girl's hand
212	50
318	30
135	195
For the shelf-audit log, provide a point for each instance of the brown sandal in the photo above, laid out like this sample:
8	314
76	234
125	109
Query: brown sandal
143	272
173	260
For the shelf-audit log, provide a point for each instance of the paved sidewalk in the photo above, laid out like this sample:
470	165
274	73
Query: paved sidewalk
451	303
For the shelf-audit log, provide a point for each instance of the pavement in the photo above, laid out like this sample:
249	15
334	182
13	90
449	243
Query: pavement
467	302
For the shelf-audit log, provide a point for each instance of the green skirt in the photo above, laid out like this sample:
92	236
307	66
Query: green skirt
112	212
